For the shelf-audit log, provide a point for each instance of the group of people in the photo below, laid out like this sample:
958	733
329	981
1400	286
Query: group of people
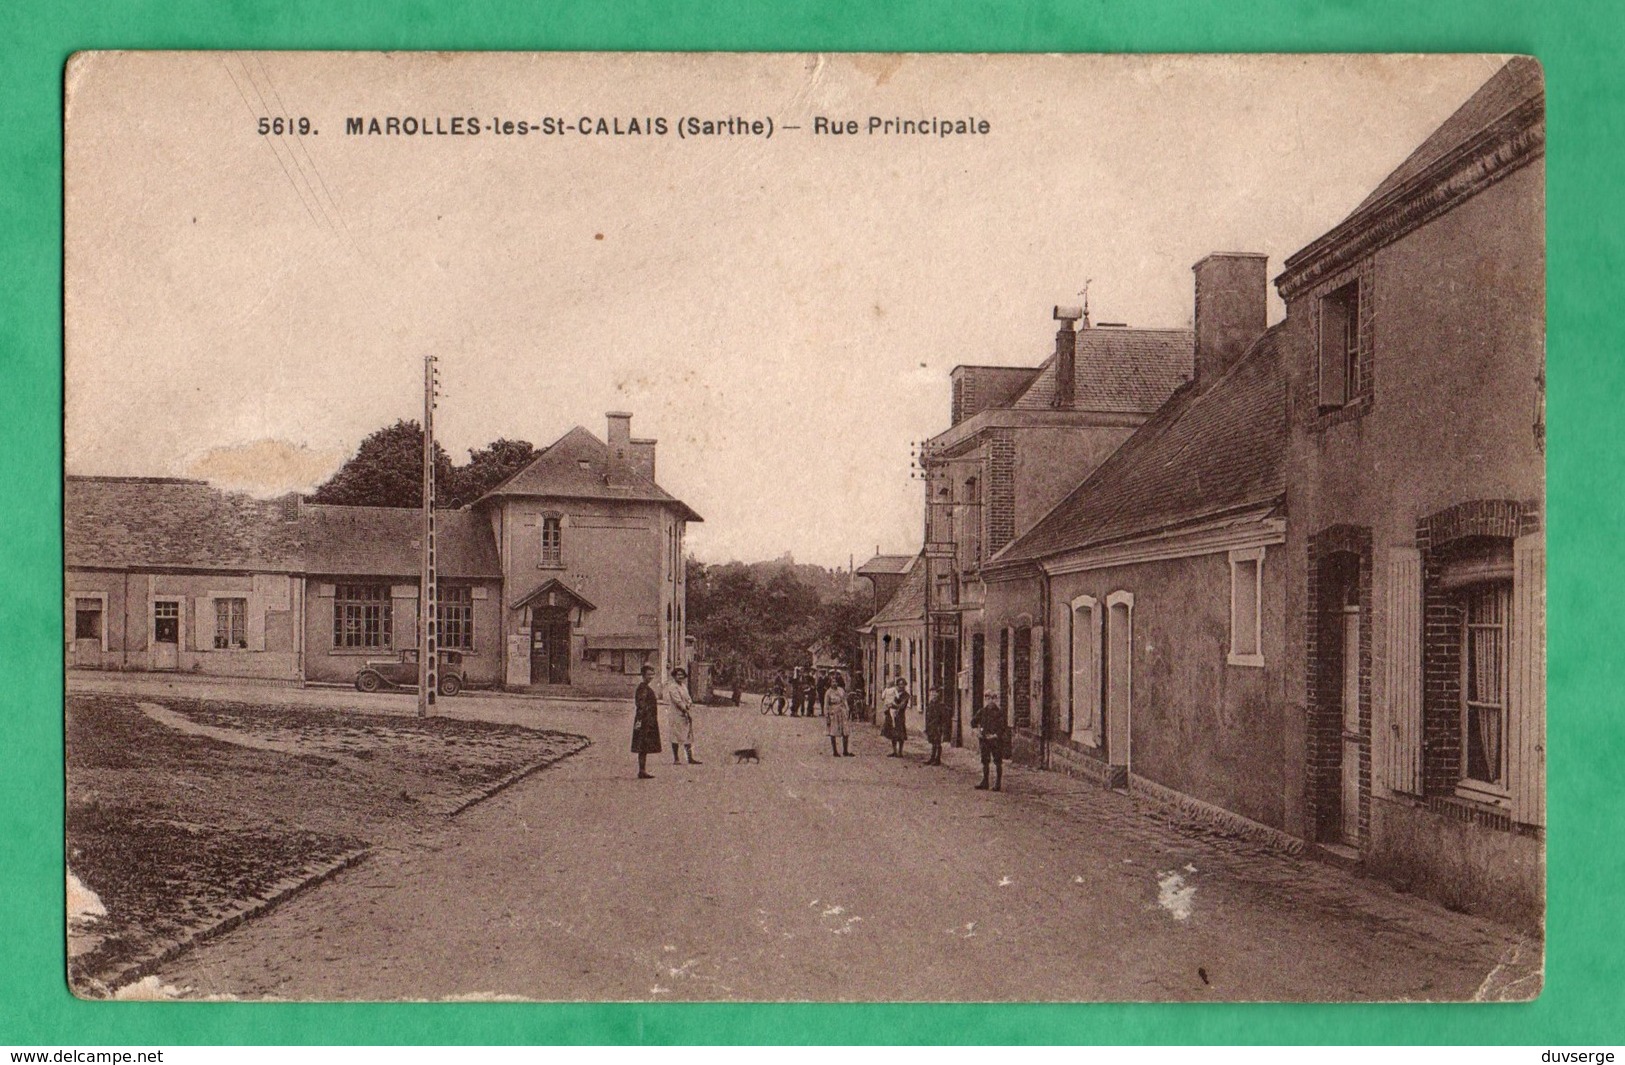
646	719
987	720
806	690
824	693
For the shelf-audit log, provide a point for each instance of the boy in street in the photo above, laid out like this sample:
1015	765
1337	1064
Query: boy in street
989	720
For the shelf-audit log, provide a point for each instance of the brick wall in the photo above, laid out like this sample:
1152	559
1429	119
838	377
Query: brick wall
1001	489
1442	622
1332	553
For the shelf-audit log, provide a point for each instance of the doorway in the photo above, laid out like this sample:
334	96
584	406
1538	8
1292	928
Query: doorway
1338	724
550	647
1349	771
166	634
1084	695
978	679
1119	640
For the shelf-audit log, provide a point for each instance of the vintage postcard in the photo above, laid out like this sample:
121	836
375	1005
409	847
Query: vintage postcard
804	527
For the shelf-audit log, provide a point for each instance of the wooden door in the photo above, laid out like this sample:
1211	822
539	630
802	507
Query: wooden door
166	634
1350	791
1119	646
1085	691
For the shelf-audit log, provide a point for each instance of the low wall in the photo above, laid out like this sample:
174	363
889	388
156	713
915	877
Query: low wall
1461	865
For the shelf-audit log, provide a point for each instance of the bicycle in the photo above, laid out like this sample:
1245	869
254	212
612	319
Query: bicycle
772	703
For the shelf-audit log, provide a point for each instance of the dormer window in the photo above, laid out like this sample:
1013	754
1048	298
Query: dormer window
1340	370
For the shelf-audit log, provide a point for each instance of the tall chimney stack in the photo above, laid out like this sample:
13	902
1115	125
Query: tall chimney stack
620	435
1066	358
1232	296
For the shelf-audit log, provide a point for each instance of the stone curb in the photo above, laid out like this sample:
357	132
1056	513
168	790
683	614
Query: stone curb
516	776
282	891
1193	813
288	888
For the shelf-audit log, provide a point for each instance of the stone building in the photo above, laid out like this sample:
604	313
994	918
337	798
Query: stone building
592	563
1140	627
1019	439
569	573
1415	336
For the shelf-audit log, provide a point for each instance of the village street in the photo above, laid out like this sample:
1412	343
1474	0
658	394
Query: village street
810	877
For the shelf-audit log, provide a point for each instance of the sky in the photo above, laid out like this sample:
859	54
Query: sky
781	312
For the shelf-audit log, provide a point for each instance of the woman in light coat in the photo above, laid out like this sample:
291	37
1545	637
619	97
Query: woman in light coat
835	716
680	717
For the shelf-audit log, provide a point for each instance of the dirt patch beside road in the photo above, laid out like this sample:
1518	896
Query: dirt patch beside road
185	815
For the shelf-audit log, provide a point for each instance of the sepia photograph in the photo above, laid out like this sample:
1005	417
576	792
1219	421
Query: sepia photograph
628	527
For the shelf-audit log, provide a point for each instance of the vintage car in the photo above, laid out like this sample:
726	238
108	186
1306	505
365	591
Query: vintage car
402	672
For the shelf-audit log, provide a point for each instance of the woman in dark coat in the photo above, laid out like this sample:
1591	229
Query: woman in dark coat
645	723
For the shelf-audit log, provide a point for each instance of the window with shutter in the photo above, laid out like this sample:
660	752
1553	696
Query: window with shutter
1339	346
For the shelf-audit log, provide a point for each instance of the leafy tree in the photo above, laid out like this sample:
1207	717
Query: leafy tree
759	617
486	468
385	471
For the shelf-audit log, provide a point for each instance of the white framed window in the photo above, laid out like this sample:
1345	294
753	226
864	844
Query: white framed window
87	619
361	616
552	541
231	624
1084	689
1486	616
1246	607
455	607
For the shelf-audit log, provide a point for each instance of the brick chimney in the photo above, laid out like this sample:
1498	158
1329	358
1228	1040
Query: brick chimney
1066	358
620	435
1232	294
643	457
638	454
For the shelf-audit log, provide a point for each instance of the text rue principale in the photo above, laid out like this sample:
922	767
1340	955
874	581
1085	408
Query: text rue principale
643	126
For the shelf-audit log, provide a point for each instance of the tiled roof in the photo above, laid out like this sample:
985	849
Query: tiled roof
386	541
1515	84
907	603
886	564
578	466
1207	452
1119	370
151	522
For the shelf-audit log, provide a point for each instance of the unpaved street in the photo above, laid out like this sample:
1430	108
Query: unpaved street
809	877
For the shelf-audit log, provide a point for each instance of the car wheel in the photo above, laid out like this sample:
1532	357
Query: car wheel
368	682
451	684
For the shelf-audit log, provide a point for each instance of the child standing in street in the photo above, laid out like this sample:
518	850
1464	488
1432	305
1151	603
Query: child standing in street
989	720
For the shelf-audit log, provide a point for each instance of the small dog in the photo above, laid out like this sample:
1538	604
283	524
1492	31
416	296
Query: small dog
747	754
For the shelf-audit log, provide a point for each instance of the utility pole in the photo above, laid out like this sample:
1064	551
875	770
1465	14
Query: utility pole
428	585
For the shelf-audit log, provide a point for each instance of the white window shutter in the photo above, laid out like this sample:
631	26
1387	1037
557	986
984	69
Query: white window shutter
255	622
1526	692
1402	673
203	623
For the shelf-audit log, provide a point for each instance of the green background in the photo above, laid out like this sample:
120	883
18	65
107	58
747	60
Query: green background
1580	45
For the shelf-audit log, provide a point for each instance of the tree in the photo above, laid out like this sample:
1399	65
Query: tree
765	616
385	471
486	468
